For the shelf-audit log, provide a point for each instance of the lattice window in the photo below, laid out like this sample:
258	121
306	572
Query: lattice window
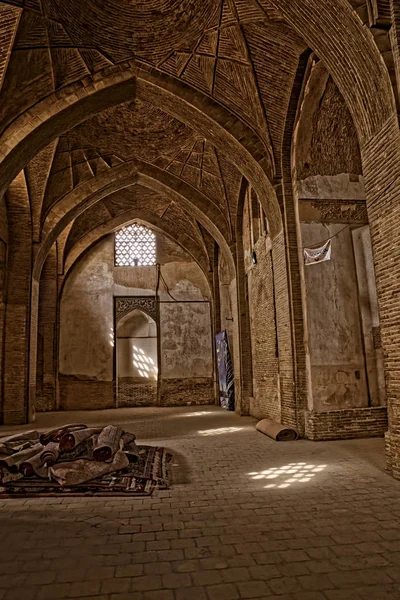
135	245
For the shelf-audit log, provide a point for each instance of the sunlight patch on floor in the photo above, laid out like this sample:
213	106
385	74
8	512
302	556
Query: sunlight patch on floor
198	413
288	474
220	430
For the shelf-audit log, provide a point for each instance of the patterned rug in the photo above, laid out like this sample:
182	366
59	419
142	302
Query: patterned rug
140	478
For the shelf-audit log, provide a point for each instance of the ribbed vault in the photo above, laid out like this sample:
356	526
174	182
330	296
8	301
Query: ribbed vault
185	115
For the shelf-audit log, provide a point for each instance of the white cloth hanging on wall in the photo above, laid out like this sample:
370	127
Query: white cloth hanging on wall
317	255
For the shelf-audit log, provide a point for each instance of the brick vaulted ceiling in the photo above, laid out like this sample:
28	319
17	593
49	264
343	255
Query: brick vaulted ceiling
241	54
237	51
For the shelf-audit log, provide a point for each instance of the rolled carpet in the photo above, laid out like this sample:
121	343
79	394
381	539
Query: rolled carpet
13	461
72	439
277	431
18	441
80	471
108	443
129	446
50	454
34	466
55	435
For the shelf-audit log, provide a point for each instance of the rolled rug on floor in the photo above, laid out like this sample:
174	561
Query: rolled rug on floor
80	471
108	443
18	441
277	431
34	466
13	462
72	439
55	435
50	454
84	450
129	446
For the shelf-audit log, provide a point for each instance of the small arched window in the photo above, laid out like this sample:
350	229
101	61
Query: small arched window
135	246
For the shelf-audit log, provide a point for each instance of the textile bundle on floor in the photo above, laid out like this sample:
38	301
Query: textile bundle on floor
276	431
79	459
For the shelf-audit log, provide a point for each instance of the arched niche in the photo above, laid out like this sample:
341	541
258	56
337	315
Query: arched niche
136	359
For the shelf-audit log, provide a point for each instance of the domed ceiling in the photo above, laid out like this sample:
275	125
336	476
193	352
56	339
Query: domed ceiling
144	28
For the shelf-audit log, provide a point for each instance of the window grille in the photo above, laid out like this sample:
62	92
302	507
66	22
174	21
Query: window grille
135	245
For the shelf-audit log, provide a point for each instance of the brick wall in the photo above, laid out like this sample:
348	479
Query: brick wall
347	424
284	332
17	317
81	394
136	392
9	16
381	160
181	392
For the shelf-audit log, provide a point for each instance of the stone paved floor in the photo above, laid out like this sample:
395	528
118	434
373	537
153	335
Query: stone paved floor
246	518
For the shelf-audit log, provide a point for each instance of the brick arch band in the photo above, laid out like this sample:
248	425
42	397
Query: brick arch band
148	176
145	217
330	27
72	105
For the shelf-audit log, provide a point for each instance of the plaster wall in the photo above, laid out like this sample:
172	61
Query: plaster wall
185	340
331	187
86	316
338	369
136	356
87	343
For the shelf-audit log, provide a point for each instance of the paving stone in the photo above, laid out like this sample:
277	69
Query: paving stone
315	582
159	595
224	591
185	566
176	580
159	568
193	593
235	574
284	585
85	588
203	578
146	583
54	591
223	547
253	589
25	593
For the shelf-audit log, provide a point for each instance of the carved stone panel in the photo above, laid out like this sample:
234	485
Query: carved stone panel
124	305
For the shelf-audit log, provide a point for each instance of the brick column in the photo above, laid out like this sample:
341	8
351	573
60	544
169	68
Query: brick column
381	167
395	39
47	330
246	366
283	306
17	314
216	291
216	313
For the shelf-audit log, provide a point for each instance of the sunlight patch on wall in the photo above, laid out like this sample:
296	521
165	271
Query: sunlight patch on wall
144	364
